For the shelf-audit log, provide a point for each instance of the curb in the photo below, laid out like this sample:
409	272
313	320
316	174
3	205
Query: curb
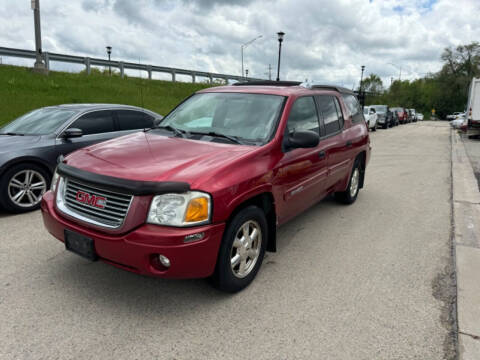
466	240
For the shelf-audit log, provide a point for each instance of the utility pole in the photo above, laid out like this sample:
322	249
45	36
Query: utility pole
269	71
109	52
243	46
39	64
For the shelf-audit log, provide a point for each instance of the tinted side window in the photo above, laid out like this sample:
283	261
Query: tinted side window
354	108
303	115
131	120
95	123
331	119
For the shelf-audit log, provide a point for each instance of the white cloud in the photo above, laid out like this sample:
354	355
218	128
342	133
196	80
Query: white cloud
325	40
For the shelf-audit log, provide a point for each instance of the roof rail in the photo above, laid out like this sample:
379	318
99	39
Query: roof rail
316	85
267	83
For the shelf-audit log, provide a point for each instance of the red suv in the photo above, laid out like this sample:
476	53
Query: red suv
202	193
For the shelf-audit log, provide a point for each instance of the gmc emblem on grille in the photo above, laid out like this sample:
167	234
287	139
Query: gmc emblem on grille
92	200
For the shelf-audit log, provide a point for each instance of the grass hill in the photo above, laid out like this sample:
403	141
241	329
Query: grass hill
21	90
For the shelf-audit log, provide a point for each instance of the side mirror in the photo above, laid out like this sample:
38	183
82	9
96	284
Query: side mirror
72	133
303	139
157	121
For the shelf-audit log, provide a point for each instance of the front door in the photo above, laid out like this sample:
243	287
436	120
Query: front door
301	173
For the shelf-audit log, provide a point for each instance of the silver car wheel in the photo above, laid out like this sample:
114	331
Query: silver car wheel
246	249
26	188
354	182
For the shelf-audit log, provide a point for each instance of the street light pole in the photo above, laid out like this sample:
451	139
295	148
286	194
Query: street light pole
109	52
280	40
39	65
361	79
398	67
243	46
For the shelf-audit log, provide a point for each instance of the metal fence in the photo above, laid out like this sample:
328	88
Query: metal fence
121	65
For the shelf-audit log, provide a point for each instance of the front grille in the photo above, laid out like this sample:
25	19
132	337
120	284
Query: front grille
111	212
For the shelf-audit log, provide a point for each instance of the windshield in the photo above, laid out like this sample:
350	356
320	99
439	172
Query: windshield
38	122
365	111
380	108
250	117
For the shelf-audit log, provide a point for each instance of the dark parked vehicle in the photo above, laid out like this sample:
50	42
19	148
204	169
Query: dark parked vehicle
31	144
384	116
202	194
401	114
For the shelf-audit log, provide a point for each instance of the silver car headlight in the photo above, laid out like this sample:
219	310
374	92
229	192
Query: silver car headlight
55	178
191	208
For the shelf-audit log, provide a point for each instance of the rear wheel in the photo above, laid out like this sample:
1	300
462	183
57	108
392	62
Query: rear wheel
242	250
350	195
22	187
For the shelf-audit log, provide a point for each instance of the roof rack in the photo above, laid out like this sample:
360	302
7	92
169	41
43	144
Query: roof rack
315	85
267	83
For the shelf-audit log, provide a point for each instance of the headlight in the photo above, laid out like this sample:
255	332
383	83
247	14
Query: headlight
53	184
192	208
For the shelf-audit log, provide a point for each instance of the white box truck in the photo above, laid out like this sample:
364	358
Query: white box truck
473	108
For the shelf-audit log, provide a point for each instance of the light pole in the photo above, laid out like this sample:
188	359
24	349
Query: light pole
361	79
398	67
39	65
280	34
109	52
243	46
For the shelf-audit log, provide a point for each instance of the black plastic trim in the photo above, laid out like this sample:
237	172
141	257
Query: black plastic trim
123	186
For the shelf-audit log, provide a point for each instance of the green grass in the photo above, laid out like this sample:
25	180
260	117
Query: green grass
21	90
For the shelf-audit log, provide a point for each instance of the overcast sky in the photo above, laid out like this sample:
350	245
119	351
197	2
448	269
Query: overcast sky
325	40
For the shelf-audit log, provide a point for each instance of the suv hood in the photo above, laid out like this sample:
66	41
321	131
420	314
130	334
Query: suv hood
147	156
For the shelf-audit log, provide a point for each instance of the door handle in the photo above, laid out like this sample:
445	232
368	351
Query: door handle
349	143
321	154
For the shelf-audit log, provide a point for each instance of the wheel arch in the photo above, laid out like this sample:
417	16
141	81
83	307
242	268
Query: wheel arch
266	202
27	160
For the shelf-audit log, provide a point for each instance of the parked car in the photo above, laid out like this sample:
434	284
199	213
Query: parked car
420	116
201	195
384	116
370	117
453	116
458	122
473	109
31	144
401	114
413	114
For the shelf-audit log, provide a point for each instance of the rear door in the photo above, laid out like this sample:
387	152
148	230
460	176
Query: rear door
97	126
301	173
334	141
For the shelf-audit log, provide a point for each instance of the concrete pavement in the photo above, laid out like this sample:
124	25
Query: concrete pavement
373	280
466	209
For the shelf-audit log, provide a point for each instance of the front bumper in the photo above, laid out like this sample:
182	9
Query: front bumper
135	250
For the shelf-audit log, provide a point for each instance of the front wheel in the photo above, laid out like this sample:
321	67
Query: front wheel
242	250
350	195
22	187
374	127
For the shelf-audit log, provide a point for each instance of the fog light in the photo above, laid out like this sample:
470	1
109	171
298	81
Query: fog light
164	261
194	237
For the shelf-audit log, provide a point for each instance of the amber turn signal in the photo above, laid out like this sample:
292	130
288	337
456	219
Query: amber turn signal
197	210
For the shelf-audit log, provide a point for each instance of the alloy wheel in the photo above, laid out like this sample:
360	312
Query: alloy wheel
354	182
26	188
246	249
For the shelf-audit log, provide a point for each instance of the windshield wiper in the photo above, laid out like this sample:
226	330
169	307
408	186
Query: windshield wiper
215	134
181	133
12	134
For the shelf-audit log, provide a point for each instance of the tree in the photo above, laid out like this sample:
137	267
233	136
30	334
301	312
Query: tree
372	84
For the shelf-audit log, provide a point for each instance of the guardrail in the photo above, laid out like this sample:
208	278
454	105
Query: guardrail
121	65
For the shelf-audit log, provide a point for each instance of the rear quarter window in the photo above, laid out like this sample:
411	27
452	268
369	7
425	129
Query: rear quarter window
353	107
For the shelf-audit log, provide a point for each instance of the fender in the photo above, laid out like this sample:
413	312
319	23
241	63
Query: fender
30	159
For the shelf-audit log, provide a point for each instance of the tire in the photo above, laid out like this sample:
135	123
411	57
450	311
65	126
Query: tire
375	127
228	277
385	126
14	181
349	196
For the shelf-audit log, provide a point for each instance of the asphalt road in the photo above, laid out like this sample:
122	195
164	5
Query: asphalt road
366	281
